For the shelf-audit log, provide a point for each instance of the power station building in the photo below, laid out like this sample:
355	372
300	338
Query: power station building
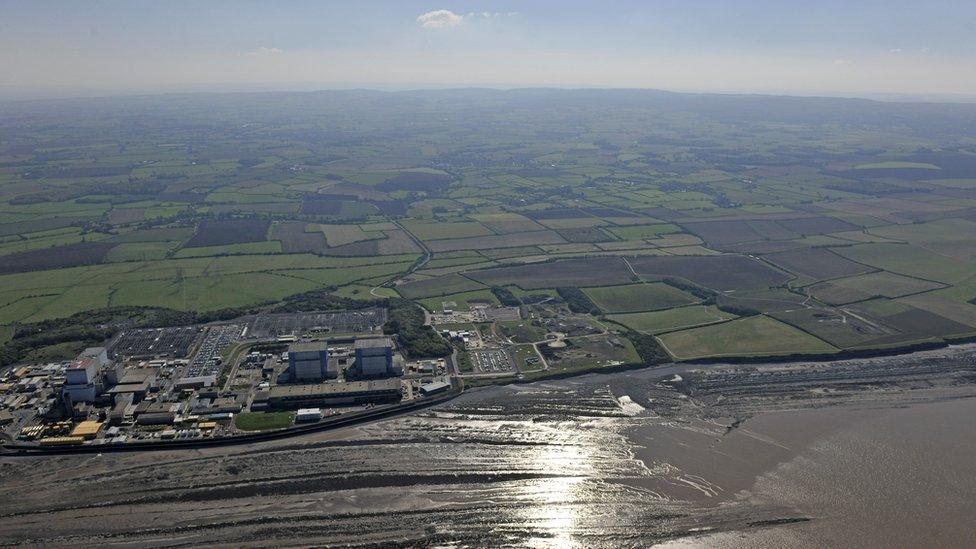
81	379
309	362
374	359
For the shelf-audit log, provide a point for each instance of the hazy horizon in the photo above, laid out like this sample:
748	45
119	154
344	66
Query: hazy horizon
874	49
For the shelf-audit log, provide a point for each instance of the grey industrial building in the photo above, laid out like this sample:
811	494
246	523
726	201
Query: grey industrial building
83	377
374	359
309	362
290	397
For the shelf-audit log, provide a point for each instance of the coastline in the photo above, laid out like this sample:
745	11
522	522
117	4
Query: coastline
358	418
344	420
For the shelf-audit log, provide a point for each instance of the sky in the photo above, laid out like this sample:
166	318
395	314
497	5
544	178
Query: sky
823	47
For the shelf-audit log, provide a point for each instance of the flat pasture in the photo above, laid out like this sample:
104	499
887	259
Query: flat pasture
751	336
140	251
667	320
910	261
438	286
248	248
718	272
807	226
859	288
220	232
438	230
839	328
340	235
817	263
72	255
295	238
557	213
954	238
584	234
637	232
165	234
512	240
507	222
569	272
460	301
638	297
717	233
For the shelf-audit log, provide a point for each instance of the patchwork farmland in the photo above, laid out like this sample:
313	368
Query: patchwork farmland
712	245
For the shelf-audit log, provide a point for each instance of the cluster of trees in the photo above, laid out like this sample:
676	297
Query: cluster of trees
577	301
505	296
406	320
710	297
322	300
94	327
647	347
706	295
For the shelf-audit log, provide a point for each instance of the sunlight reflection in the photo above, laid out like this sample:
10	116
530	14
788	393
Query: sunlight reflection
552	504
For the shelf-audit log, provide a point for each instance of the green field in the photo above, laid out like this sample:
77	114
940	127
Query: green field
753	336
439	286
859	288
246	201
434	230
523	355
638	297
891	165
523	331
910	261
263	421
680	318
643	231
339	235
460	301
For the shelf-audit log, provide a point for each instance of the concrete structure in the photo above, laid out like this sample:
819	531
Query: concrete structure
113	373
290	397
434	388
132	392
81	371
87	429
139	375
309	362
156	418
98	354
308	414
374	359
79	380
219	405
194	383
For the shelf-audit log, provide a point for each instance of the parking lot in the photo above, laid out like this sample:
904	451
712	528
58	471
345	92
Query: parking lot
162	342
490	361
207	360
345	322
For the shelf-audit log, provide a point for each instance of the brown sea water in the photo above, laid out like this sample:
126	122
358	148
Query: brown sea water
882	478
866	453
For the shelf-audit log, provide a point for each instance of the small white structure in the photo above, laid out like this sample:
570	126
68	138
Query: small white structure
308	414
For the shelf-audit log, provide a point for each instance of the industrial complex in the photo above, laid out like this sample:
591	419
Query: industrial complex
221	381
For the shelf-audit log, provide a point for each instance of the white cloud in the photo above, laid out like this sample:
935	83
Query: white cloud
439	19
265	51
